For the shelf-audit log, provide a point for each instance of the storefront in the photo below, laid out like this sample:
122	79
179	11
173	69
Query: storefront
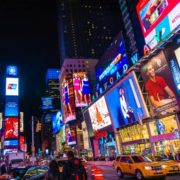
165	135
135	139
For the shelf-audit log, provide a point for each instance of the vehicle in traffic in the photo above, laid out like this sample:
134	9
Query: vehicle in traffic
139	166
15	163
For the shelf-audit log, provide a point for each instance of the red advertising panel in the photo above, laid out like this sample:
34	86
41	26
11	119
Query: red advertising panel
11	128
68	99
159	85
22	144
158	18
81	89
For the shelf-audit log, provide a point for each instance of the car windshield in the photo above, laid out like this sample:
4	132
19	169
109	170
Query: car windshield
138	159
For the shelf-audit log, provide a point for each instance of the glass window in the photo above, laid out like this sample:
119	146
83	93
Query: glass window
123	159
138	159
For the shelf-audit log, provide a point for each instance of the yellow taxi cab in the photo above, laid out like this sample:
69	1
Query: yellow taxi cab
139	166
170	166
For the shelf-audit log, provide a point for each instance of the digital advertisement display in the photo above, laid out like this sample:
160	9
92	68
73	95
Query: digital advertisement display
71	135
47	103
117	59
48	118
99	114
68	99
11	71
160	86
8	143
125	102
164	129
81	89
21	122
57	122
177	53
22	144
11	128
85	135
158	18
11	106
1	120
12	86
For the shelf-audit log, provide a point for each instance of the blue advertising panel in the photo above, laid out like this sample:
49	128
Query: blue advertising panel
11	106
125	102
11	70
47	103
57	122
11	142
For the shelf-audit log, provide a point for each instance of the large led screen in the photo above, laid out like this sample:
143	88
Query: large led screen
81	89
47	103
177	53
99	114
68	99
21	122
11	106
12	70
159	85
11	128
71	135
56	122
158	18
12	86
125	102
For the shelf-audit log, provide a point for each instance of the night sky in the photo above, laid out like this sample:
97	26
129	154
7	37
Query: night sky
28	39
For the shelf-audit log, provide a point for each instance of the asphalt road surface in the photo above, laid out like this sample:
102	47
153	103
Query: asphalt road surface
110	174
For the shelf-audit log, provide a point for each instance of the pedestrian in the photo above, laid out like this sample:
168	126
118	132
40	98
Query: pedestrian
53	173
74	169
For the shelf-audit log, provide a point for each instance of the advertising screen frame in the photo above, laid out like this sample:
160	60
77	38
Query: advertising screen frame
11	106
137	103
12	86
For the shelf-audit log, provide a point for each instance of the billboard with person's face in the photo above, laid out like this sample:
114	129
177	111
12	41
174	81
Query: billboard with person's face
159	85
81	89
125	102
11	128
68	99
158	18
99	114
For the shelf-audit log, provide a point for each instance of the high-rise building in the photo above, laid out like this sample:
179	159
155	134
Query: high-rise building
86	27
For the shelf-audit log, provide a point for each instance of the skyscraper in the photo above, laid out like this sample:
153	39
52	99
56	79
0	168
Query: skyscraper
86	27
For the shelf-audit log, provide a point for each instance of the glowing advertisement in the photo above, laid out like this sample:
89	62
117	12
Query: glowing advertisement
164	129
158	18
177	53
81	89
11	106
12	86
21	122
1	120
116	55
99	114
56	122
22	144
11	70
8	143
125	102
85	136
47	103
11	128
71	135
159	85
68	99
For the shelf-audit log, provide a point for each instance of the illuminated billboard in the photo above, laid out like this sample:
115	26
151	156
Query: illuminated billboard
11	70
1	120
99	114
164	129
71	138
11	128
125	102
56	122
47	103
21	122
158	18
11	106
12	86
22	144
177	53
159	85
81	89
68	99
10	143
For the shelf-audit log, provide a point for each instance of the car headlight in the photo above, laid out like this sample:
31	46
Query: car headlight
164	166
148	167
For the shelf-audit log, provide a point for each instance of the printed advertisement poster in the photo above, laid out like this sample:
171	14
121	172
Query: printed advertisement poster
165	128
71	135
158	18
68	99
99	114
160	86
81	89
11	128
125	102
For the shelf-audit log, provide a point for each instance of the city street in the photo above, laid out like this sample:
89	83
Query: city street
109	173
